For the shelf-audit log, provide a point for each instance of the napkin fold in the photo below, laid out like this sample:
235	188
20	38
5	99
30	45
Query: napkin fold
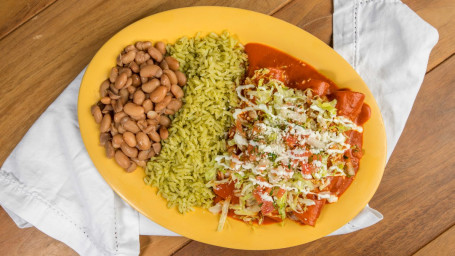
49	181
388	44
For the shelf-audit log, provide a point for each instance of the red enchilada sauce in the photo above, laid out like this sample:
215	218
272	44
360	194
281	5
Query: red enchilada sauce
297	74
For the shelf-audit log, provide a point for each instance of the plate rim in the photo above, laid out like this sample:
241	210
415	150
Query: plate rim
139	209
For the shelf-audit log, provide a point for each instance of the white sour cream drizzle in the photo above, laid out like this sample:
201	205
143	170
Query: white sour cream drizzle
328	142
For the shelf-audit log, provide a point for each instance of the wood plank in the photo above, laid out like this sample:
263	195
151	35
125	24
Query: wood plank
443	245
416	194
313	16
27	242
50	57
15	13
441	15
316	17
161	245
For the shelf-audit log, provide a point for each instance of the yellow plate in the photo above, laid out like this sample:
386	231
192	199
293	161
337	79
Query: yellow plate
247	26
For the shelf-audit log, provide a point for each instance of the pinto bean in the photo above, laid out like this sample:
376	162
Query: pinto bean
105	124
118	116
122	159
125	70
177	91
131	90
159	73
155	121
108	108
155	54
131	126
158	94
163	104
164	65
120	82
133	109
113	75
150	62
109	149
165	81
105	100
128	83
150	71
149	129
180	77
124	95
156	147
161	46
143	141
104	137
114	130
134	67
128	151
117	140
143	45
139	162
169	112
103	88
132	167
130	139
118	61
147	105
155	136
171	75
141	57
128	57
136	80
144	154
130	48
146	45
139	117
151	85
142	124
121	129
124	120
164	133
138	97
113	95
152	114
113	89
165	121
173	63
117	105
174	105
96	112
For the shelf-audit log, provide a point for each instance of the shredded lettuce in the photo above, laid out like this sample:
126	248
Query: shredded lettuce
224	212
281	203
210	174
329	106
296	147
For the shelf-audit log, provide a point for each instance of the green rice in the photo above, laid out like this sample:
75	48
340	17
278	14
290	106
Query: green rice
214	65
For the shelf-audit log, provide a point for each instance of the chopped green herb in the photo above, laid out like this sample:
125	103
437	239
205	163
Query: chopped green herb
272	157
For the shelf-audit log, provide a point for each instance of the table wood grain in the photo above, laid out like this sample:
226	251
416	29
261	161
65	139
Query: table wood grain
46	43
15	13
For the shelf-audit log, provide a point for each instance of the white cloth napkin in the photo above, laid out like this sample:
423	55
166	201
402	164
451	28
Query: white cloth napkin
49	181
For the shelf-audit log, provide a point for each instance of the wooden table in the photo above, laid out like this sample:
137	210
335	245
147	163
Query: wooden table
44	44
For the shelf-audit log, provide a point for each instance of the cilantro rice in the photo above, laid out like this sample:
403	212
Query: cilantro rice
214	65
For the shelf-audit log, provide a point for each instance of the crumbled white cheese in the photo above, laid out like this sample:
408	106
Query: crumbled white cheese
240	140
